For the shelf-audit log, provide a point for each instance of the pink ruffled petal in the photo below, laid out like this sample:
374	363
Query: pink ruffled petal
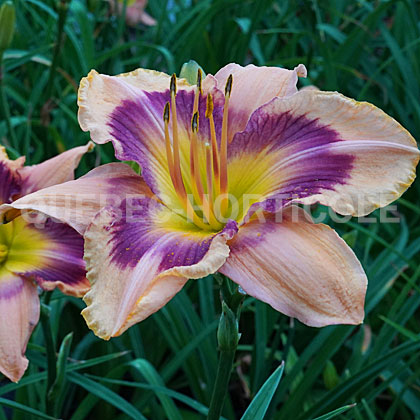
323	147
53	171
255	86
301	269
77	202
19	312
138	257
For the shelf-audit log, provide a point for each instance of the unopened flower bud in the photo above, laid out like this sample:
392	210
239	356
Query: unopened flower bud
7	24
189	71
227	334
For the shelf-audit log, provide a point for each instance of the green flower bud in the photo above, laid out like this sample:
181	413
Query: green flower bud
189	71
227	333
7	24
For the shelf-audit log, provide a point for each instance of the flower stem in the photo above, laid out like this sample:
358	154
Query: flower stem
51	353
228	338
224	371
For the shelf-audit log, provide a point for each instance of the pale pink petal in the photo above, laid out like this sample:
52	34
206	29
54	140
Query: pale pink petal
19	313
138	257
77	202
53	171
301	269
254	86
323	147
384	153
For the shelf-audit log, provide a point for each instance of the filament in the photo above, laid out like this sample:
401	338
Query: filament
207	184
223	177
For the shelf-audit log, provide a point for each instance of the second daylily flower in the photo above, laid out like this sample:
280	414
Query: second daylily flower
215	157
49	255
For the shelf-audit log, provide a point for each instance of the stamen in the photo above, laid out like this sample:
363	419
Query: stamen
215	148
169	156
177	165
223	179
197	186
198	91
199	207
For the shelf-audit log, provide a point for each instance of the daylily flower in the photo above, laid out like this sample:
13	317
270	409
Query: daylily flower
48	256
220	161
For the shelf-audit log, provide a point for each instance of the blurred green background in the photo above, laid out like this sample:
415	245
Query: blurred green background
164	368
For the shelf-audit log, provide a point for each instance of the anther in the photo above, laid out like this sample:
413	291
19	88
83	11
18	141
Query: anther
173	84
210	106
194	122
198	91
228	87
199	80
166	113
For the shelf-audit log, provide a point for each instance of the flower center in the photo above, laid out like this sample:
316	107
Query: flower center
207	204
4	251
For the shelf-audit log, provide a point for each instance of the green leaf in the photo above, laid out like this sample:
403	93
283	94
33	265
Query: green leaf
335	413
107	395
152	377
24	409
259	405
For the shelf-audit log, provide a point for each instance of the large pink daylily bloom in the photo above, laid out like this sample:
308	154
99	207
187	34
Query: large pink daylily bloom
48	255
221	161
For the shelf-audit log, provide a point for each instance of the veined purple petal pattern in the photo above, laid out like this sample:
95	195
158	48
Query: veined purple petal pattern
62	263
137	130
137	231
137	262
303	164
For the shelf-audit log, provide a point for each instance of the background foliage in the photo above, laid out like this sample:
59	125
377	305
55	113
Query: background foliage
164	368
